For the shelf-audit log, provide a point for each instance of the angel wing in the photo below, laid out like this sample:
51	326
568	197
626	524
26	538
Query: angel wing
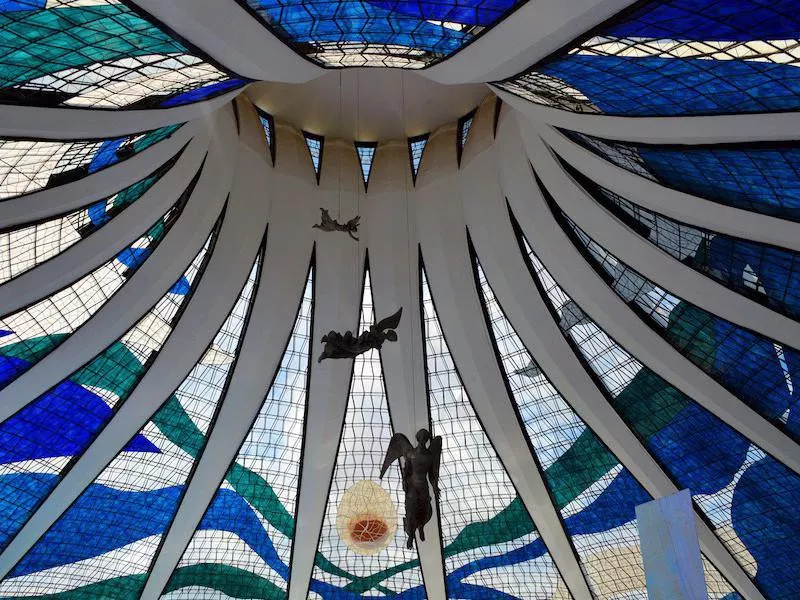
433	474
354	222
397	448
390	322
326	216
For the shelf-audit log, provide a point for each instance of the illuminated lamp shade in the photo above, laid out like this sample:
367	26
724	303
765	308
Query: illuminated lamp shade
367	518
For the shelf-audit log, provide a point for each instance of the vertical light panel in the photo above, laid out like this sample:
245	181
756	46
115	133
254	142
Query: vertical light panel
32	333
121	517
491	545
745	495
242	547
595	495
362	447
45	438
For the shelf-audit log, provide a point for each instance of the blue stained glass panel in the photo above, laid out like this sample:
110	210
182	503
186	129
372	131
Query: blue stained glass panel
695	448
378	32
677	57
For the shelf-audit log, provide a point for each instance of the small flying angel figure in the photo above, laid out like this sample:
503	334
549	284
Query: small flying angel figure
328	223
347	345
418	466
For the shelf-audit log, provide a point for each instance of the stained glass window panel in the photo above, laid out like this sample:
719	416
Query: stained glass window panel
491	545
122	516
243	544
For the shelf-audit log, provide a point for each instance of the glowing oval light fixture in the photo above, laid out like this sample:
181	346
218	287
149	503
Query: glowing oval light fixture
367	518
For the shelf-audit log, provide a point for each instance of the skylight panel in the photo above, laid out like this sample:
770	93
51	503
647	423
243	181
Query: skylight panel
253	510
144	483
736	486
315	145
416	148
268	123
464	125
362	447
99	54
366	153
477	495
46	437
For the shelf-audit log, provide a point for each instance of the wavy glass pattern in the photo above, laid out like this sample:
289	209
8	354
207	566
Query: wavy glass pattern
763	178
677	57
745	495
27	166
30	334
243	544
46	437
759	371
29	245
362	446
491	545
124	513
99	54
595	494
416	147
376	33
767	274
366	154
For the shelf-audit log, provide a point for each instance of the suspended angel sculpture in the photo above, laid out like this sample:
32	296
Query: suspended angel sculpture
328	223
350	346
419	465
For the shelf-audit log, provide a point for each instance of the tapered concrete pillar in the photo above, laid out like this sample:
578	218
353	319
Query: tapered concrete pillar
671	549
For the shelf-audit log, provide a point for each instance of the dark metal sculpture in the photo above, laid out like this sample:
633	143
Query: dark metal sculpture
419	465
347	345
330	224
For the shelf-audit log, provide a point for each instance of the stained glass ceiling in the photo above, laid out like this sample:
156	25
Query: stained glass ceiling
378	33
151	331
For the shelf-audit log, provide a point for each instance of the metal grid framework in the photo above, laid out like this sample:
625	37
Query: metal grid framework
416	148
268	123
676	57
378	33
464	124
595	495
124	513
28	166
759	371
761	178
366	154
364	439
27	246
744	494
45	438
33	332
243	544
767	274
491	545
98	54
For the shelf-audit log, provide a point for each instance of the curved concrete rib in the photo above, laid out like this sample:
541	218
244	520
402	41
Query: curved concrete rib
529	34
581	282
277	298
60	199
67	267
147	285
80	123
672	203
442	235
516	292
229	34
647	259
194	331
389	232
339	274
717	129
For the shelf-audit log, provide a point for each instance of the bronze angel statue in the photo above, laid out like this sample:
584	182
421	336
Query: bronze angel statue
347	345
328	223
418	466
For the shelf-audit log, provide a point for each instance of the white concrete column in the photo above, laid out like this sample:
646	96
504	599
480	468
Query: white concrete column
670	549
